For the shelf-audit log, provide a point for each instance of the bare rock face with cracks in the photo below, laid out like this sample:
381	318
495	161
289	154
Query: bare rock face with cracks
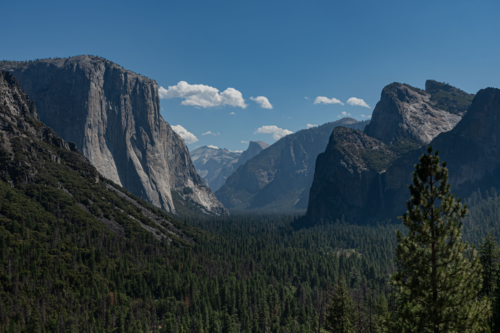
113	117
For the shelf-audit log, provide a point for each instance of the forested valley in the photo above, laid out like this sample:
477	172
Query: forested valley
244	273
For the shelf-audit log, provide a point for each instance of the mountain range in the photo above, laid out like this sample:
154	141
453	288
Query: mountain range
214	165
363	176
113	116
279	177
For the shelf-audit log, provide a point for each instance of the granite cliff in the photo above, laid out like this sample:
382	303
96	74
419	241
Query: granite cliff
279	178
471	151
405	113
214	165
55	182
357	178
347	175
113	117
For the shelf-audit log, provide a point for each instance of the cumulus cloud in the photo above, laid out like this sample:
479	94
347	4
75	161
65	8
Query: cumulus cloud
344	114
232	113
357	102
366	116
326	100
277	132
306	97
262	101
213	147
203	96
244	141
210	133
311	126
183	133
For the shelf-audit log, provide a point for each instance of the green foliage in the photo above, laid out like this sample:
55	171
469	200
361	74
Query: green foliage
438	277
452	101
340	317
379	161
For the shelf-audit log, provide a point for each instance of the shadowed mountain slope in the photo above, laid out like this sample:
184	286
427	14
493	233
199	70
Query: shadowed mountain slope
113	116
279	178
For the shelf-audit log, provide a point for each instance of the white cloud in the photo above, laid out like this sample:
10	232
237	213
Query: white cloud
344	114
211	133
202	95
183	133
277	132
306	97
232	113
213	147
326	100
311	126
263	101
244	141
366	116
357	102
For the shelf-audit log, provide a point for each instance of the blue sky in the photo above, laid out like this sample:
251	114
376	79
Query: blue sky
282	50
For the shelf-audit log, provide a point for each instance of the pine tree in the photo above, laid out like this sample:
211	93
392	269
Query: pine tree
438	276
340	314
489	254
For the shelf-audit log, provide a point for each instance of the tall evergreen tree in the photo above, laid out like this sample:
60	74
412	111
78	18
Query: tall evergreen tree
340	314
489	254
438	276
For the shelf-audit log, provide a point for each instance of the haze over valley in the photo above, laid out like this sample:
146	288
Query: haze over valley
230	167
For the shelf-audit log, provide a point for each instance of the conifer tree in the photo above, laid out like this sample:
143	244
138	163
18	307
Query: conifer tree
438	276
340	314
489	254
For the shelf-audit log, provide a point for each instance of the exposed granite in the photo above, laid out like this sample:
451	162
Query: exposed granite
214	165
279	178
113	116
346	177
407	113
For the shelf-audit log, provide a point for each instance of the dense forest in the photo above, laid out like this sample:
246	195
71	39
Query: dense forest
245	273
80	254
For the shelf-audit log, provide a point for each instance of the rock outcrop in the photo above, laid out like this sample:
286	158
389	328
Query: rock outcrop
405	113
364	178
214	165
279	178
113	116
347	176
471	151
53	174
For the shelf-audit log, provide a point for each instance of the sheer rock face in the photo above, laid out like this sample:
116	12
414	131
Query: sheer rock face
214	165
365	177
113	116
346	177
408	113
279	178
471	151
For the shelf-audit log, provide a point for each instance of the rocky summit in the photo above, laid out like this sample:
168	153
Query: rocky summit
405	113
363	177
279	178
214	165
113	116
54	181
471	151
347	175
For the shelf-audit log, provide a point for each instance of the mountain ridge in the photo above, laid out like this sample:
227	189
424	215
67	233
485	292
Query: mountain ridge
279	178
113	116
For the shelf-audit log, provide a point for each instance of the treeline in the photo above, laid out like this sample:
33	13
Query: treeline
62	273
